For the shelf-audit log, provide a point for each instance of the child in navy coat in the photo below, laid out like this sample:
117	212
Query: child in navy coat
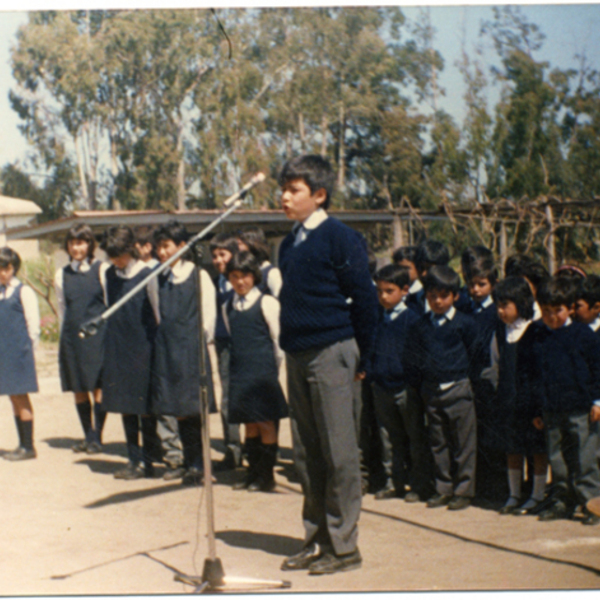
129	342
255	394
19	334
81	295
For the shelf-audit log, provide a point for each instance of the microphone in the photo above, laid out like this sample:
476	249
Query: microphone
258	178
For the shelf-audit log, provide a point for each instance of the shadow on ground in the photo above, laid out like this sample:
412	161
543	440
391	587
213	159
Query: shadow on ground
66	443
280	545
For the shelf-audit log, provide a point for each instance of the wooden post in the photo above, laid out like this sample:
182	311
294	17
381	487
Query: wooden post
398	232
550	244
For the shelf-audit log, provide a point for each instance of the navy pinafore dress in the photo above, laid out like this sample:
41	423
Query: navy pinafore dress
80	360
255	394
176	367
17	363
128	346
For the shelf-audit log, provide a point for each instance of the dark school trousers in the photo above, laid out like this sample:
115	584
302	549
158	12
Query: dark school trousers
572	443
401	414
323	419
231	431
452	437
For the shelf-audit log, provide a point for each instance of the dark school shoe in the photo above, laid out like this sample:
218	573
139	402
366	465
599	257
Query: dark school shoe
129	471
80	446
93	448
20	454
386	493
411	497
303	559
192	476
173	473
558	510
438	500
510	508
589	518
531	510
331	563
459	503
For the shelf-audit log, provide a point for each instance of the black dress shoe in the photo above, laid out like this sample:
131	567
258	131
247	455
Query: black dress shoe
412	497
459	503
303	559
557	511
438	500
532	509
386	493
93	448
20	454
510	507
193	476
331	563
79	446
589	518
174	473
129	472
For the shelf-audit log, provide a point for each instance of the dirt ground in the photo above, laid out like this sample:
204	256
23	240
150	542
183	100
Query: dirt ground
70	528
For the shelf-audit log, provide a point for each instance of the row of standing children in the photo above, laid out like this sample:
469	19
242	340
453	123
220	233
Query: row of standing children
470	381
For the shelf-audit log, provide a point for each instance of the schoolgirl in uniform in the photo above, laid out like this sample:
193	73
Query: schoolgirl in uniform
129	342
19	334
515	430
253	240
255	395
176	365
80	294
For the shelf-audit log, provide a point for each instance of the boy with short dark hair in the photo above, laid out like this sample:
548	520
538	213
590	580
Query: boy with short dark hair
406	256
564	376
399	410
442	347
429	253
222	247
324	263
587	305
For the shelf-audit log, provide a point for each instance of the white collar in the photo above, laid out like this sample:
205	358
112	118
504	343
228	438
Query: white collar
249	299
595	325
82	266
416	286
314	219
180	271
447	316
515	330
151	263
13	283
132	269
487	302
397	310
223	284
537	311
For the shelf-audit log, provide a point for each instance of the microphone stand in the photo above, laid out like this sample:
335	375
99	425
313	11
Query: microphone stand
213	576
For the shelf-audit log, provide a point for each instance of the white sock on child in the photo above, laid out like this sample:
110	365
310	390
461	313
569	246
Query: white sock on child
514	483
539	487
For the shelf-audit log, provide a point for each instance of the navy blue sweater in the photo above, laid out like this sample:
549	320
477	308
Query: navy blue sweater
386	367
441	354
319	275
564	368
487	322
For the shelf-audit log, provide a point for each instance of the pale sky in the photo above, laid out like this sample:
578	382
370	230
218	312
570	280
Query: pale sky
569	29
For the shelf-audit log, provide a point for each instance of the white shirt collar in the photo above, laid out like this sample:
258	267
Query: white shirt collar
132	269
180	271
80	265
515	330
487	302
248	300
397	310
223	283
447	316
415	287
595	325
315	219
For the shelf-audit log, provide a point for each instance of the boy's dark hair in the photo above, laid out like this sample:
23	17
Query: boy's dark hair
223	241
442	278
516	264
589	290
408	253
395	274
472	254
254	238
81	231
314	170
536	273
431	252
245	262
557	291
144	234
119	240
483	267
172	230
517	290
9	257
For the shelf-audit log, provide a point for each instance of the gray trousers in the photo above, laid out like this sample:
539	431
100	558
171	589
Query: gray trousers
572	445
168	432
452	437
406	448
323	416
231	432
